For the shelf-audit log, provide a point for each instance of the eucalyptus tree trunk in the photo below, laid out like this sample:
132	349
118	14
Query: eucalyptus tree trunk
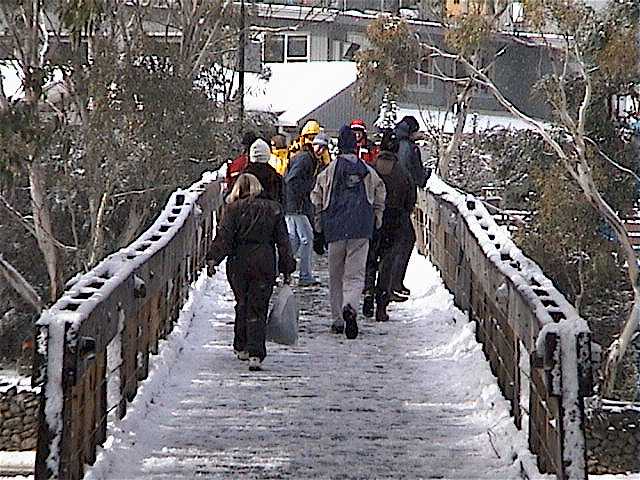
44	231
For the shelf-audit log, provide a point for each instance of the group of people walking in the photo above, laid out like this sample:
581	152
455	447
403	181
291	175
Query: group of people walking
291	201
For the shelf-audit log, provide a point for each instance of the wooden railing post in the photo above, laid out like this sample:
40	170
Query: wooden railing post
125	305
513	303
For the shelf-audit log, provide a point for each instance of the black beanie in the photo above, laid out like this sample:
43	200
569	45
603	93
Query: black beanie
411	122
389	142
248	138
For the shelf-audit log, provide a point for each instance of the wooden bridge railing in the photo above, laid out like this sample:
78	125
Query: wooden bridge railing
537	346
93	345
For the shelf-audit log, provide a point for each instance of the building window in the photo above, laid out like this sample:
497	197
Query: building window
286	48
417	81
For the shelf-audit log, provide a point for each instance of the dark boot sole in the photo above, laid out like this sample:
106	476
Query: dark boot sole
368	307
351	325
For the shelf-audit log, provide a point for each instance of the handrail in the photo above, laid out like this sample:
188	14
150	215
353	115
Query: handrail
93	344
537	345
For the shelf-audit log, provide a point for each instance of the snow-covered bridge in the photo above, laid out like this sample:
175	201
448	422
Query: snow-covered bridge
139	379
412	398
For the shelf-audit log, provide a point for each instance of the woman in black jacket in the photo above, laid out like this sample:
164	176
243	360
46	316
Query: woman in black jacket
251	228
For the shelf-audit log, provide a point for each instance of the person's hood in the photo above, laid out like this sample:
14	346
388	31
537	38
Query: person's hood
347	140
385	161
352	157
403	131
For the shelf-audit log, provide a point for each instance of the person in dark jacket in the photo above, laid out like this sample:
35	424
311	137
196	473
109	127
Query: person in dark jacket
408	152
410	159
259	156
387	242
298	184
251	228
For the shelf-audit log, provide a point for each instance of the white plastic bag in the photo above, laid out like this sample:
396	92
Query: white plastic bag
282	324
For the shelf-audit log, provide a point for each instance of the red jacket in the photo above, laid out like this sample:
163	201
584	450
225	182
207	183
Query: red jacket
368	151
235	169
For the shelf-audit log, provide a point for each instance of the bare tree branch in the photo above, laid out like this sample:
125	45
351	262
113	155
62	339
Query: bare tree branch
20	285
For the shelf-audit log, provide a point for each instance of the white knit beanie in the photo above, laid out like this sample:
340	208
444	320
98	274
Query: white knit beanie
259	152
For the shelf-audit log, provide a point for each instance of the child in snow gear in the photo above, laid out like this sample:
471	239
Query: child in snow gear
259	155
251	229
366	150
349	203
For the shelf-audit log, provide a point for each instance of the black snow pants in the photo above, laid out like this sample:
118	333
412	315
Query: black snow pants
385	254
252	285
407	240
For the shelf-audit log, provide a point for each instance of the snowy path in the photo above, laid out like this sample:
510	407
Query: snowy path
412	398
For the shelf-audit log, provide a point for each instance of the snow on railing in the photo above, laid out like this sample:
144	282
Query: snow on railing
516	307
121	308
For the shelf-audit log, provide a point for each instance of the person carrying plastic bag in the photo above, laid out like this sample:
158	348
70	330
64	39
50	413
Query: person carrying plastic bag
251	229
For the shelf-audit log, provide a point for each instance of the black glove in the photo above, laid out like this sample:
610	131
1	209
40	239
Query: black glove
319	243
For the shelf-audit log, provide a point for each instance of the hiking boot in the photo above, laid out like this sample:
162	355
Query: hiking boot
367	306
338	329
404	291
242	355
395	297
382	300
254	364
351	325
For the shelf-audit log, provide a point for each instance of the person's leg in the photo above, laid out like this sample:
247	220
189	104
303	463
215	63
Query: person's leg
354	271
293	234
385	278
305	233
238	282
337	254
408	240
370	276
258	295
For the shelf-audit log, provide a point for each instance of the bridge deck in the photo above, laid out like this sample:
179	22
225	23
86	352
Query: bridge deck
412	398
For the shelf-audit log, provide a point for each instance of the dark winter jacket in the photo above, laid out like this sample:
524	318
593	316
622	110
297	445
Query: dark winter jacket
269	179
401	193
298	183
350	213
409	155
248	233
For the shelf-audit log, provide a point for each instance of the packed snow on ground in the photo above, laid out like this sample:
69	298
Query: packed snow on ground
452	344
